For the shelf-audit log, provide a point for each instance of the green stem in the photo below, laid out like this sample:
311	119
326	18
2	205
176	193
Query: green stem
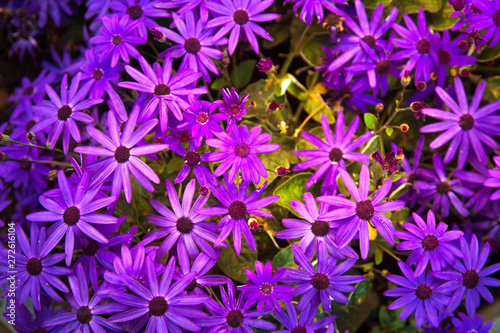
293	53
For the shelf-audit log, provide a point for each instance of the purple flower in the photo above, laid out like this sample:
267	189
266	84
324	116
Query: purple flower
232	105
120	155
195	45
487	18
435	187
167	90
192	160
429	243
235	205
419	44
470	278
262	288
450	54
35	269
56	9
233	17
494	181
352	94
332	153
73	211
363	211
32	93
320	283
304	323
467	324
424	296
162	302
265	65
238	153
464	124
315	7
26	322
61	112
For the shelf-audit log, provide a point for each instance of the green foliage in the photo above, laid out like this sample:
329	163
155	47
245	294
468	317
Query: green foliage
242	74
489	53
370	120
284	258
442	20
413	6
313	51
361	290
234	266
292	188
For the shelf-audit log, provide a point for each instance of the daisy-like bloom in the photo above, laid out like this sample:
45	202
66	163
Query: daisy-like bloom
234	17
262	288
235	205
35	268
357	214
183	226
424	296
470	278
26	322
233	315
465	124
494	181
167	90
320	283
488	17
304	323
366	38
332	154
313	229
418	44
61	113
466	324
435	187
192	161
120	155
140	11
116	39
429	243
195	45
56	9
31	93
72	210
238	153
315	7
162	302
85	316
232	105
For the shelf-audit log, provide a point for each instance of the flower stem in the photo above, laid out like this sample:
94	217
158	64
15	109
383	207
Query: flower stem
293	53
298	130
63	164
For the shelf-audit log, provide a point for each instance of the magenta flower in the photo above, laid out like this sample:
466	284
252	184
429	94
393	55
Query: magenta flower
494	181
232	105
315	7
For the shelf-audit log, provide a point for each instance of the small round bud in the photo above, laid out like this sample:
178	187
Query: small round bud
406	79
417	106
404	127
385	272
204	191
158	35
52	175
453	71
464	72
463	45
3	157
253	104
421	85
226	61
4	139
379	107
30	136
282	171
399	154
434	76
458	5
253	224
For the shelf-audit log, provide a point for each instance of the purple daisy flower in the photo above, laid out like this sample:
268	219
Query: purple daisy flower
494	181
35	268
192	161
242	15
238	153
313	229
32	93
332	154
429	243
357	214
353	94
262	288
235	205
436	187
315	7
464	124
61	112
85	316
195	45
467	324
304	323
120	155
419	44
232	105
487	18
320	283
116	39
27	322
73	213
168	90
424	296
470	278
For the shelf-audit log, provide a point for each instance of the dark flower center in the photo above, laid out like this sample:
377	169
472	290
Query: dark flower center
383	67
91	249
430	242
240	16
336	155
320	228
122	154
202	118
466	122
25	164
443	188
320	281
204	191
242	150
496	18
97	74
471	279
423	46
237	210
299	329
444	57
64	112
184	136
116	40
135	12
162	89
191	286
192	45
192	158
34	266
71	215
234	109
184	225
370	40
29	125
266	288
28	91
423	291
40	330
365	210
83	314
158	306
235	318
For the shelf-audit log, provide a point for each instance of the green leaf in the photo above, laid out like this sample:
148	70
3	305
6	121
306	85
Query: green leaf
374	3
412	6
370	120
283	157
384	317
313	51
217	84
280	33
175	164
341	187
262	93
293	188
372	145
379	255
402	189
361	290
442	19
489	53
234	266
389	131
284	258
243	73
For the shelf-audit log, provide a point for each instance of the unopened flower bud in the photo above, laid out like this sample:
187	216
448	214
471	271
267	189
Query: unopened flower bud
159	36
434	76
4	139
406	79
417	106
274	105
421	85
204	191
254	225
30	136
379	107
463	45
464	72
400	155
282	171
3	157
404	127
265	65
52	175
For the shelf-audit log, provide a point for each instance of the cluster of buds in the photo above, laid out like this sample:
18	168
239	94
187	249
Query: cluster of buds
473	37
417	108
